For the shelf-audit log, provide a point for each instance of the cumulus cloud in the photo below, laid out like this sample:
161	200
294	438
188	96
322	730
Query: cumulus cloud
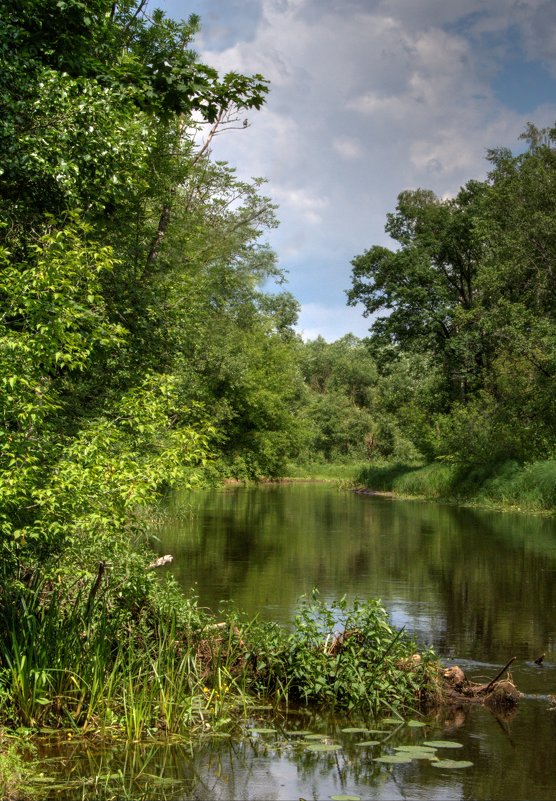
368	97
348	147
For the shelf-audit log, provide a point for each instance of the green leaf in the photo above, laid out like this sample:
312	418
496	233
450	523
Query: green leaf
322	747
442	744
452	764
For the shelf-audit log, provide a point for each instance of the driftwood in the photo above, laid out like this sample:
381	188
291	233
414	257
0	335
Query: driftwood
498	693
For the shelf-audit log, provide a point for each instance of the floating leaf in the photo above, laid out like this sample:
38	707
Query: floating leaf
427	753
392	721
300	733
442	744
415	724
315	736
345	797
394	759
369	742
452	764
323	747
262	731
355	730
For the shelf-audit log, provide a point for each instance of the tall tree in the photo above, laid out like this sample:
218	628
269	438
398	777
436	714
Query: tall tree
429	282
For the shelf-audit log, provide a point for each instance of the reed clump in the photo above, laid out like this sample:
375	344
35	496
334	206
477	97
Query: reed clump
83	658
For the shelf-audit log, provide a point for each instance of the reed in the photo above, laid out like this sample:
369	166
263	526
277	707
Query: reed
74	658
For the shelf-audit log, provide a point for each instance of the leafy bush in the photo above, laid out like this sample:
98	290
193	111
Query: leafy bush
341	656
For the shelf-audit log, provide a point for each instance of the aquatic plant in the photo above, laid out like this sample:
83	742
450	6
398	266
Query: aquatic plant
75	656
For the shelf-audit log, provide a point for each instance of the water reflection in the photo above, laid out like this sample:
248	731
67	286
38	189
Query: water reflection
474	584
279	766
478	586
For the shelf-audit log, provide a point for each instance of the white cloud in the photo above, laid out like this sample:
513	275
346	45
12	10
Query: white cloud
367	99
348	147
301	202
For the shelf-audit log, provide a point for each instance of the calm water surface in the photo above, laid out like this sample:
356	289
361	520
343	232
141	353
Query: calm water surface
478	586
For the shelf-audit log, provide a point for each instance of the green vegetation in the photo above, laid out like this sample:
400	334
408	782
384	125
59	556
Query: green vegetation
17	771
138	352
530	487
471	321
80	658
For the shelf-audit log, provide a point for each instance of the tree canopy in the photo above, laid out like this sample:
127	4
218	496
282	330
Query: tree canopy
471	285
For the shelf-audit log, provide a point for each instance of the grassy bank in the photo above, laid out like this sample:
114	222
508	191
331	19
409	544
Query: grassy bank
530	487
325	471
77	661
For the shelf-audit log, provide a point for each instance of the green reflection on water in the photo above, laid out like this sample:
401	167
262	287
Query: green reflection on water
476	584
479	586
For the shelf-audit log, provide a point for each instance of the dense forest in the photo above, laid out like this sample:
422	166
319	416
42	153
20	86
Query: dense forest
138	349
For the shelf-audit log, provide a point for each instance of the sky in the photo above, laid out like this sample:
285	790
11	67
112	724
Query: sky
368	98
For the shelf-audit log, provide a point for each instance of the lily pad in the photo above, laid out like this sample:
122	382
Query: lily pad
345	797
262	731
416	724
443	744
428	753
430	756
355	730
369	742
315	736
323	747
392	721
394	759
452	764
300	733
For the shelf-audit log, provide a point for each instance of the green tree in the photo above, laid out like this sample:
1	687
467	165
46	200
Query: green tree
428	285
339	414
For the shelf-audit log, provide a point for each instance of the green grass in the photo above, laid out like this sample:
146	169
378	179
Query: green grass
326	471
16	772
530	487
94	667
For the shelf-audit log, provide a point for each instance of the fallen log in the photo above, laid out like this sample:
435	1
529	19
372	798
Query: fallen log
498	693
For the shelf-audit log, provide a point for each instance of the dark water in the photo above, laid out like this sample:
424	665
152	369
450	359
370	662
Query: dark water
480	587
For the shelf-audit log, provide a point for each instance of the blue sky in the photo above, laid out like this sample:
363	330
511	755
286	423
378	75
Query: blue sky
370	97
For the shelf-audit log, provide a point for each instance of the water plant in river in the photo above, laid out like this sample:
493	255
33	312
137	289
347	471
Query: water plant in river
341	655
77	656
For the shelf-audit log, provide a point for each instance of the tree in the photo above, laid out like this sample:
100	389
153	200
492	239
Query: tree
472	288
97	143
428	285
339	413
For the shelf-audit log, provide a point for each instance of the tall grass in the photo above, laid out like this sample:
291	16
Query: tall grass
74	658
530	487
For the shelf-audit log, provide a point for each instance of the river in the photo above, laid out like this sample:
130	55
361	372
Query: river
478	586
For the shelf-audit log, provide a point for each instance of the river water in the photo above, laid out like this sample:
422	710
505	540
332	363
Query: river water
478	586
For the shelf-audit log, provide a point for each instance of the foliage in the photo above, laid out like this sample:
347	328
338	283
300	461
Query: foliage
470	288
340	399
342	656
83	656
16	770
501	484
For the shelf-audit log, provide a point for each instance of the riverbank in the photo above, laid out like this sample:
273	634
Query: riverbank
78	664
504	486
